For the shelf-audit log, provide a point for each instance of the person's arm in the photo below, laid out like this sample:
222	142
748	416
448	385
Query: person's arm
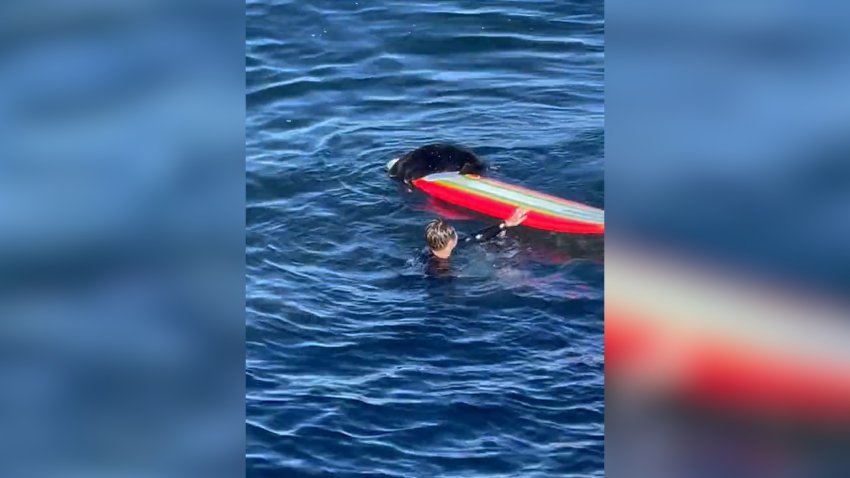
487	233
490	232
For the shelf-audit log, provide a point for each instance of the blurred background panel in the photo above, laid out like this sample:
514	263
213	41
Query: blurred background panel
121	238
728	190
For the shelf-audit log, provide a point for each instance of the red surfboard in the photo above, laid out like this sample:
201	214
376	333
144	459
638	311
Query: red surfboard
498	199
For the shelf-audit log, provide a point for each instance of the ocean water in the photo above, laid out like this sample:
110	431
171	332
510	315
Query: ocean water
359	365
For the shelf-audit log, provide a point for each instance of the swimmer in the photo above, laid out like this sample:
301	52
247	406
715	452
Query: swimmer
442	238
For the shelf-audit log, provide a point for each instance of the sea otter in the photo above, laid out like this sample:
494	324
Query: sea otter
435	158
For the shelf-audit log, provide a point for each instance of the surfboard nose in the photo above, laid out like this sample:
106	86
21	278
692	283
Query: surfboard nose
391	163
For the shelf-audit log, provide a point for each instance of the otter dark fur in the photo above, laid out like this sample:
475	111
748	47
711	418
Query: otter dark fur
436	158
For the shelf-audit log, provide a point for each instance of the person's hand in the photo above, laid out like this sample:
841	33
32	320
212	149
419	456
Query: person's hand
516	219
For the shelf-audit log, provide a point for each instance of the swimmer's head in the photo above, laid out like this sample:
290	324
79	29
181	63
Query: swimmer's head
441	237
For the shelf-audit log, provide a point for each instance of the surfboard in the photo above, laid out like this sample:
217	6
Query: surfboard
499	199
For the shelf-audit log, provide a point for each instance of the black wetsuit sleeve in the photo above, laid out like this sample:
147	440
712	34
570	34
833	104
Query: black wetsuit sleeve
485	234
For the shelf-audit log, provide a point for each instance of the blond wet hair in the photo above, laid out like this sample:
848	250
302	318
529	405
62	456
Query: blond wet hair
439	234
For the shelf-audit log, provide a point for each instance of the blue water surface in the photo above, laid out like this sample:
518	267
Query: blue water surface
358	364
